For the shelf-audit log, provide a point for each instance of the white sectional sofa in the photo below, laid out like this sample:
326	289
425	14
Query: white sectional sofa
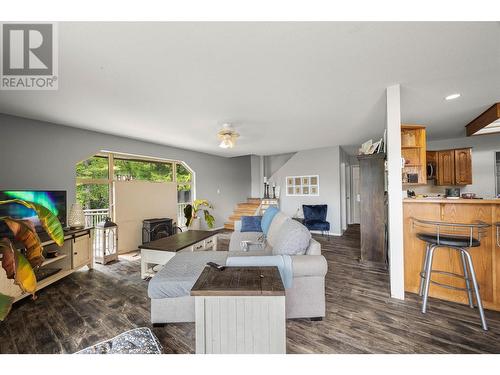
169	288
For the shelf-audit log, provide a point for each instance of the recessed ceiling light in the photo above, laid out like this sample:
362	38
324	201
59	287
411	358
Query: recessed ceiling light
452	96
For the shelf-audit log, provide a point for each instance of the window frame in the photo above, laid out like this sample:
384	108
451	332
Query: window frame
110	155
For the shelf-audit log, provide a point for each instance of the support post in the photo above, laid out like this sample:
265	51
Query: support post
395	192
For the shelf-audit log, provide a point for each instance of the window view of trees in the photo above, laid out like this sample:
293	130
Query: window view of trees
94	168
92	196
184	178
93	183
143	170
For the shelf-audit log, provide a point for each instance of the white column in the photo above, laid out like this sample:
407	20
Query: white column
395	188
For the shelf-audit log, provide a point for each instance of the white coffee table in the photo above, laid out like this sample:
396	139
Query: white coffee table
159	252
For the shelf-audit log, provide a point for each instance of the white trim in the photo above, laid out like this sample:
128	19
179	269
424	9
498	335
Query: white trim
395	188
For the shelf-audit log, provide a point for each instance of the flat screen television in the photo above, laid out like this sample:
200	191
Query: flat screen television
54	200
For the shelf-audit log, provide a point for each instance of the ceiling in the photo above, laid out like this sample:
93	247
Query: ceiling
284	86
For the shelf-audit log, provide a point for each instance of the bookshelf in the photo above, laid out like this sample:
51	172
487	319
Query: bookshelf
413	151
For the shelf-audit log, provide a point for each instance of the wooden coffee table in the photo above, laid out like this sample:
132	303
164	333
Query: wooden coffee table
240	310
164	249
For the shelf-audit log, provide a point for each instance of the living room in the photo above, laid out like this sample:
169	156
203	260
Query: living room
236	204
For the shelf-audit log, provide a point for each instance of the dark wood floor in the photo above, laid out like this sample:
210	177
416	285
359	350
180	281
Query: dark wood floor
88	307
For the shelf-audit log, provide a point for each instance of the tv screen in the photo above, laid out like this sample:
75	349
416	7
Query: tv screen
54	200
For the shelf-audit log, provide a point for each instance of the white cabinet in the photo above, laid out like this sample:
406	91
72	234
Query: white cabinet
82	251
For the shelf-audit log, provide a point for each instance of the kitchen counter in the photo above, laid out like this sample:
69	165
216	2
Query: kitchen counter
452	201
486	258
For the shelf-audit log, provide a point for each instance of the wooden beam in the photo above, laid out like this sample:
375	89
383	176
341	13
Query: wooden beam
484	119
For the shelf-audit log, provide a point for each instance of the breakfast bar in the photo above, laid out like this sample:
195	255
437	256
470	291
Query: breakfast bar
486	256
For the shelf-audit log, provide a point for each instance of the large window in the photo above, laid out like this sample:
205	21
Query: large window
133	169
95	176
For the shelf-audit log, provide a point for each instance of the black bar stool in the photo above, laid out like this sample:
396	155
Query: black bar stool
459	237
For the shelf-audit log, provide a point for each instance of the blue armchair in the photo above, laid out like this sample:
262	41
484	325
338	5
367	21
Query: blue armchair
315	217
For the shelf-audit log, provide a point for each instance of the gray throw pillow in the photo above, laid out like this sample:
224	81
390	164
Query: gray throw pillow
292	239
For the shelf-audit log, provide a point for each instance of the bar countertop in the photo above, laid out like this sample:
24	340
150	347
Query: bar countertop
451	201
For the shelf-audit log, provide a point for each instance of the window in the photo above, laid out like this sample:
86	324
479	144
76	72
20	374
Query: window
93	196
94	168
95	176
184	179
130	169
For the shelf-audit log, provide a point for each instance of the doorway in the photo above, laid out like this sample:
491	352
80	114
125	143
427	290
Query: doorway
355	197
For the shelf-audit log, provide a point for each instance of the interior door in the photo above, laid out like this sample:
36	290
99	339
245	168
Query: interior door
355	197
343	196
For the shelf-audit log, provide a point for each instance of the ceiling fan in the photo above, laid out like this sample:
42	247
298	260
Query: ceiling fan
228	136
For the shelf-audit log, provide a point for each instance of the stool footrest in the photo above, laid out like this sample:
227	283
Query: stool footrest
466	279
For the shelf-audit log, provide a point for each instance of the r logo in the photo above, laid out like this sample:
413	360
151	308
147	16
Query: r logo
27	49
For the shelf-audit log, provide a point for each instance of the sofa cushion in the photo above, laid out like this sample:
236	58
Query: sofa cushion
278	221
181	272
251	224
268	218
292	238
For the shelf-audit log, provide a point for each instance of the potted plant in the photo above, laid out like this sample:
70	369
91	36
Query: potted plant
17	266
192	212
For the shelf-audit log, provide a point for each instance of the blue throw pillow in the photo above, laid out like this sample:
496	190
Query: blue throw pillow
268	218
251	224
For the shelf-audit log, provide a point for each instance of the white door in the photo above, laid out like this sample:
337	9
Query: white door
343	196
355	197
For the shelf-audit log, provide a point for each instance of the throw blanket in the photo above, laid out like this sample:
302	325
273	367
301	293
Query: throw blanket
283	262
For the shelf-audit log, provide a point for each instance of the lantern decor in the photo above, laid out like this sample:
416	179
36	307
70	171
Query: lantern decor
76	218
106	242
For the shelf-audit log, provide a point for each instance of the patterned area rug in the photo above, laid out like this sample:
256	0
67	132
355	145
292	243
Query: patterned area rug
136	341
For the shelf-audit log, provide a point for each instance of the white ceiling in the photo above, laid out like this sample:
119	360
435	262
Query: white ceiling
284	86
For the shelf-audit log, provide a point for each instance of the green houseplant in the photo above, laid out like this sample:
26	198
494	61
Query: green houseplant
17	266
192	212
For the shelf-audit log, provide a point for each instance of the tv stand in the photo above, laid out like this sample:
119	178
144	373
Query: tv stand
75	253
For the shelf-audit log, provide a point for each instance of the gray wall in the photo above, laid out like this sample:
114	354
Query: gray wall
272	163
40	155
483	163
324	162
257	174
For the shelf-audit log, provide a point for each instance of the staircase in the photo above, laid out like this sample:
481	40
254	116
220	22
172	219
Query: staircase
247	208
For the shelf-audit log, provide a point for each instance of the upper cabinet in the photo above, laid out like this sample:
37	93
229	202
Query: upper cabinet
463	166
454	167
445	167
413	151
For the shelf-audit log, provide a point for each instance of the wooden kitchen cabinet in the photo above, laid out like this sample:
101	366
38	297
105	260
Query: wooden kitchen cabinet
445	167
454	167
463	166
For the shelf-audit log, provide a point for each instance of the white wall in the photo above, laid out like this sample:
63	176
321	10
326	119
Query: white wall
324	162
394	188
483	163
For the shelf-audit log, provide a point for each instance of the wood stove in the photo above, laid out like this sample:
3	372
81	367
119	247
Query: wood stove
154	229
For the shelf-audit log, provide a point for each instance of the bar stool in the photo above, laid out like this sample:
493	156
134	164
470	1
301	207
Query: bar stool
459	237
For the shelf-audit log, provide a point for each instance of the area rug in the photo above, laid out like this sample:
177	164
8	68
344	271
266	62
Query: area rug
136	341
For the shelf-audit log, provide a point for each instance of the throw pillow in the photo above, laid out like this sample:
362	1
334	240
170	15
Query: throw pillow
251	224
292	239
275	226
268	218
